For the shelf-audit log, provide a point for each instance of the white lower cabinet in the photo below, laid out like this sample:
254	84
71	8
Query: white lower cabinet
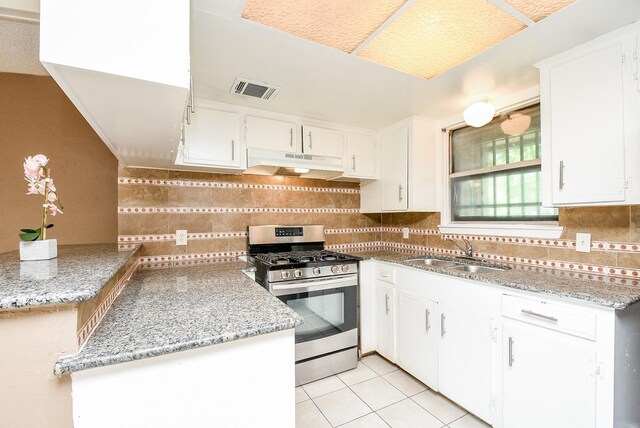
418	337
385	324
465	355
514	359
548	378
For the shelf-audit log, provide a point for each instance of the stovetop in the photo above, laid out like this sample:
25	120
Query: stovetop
301	258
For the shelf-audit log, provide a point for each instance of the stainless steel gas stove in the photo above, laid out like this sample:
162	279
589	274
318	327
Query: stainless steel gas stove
319	285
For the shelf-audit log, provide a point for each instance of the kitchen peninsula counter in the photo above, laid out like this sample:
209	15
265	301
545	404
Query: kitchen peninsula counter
78	274
560	283
169	310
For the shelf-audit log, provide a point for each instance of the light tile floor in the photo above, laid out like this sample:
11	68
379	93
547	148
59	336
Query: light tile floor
377	394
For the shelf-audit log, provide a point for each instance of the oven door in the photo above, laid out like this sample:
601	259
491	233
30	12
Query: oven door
328	307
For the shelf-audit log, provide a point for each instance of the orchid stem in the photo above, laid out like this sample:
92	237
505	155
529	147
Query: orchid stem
43	229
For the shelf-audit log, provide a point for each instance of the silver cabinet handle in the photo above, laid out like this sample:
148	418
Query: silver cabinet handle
291	137
427	327
353	162
561	184
233	150
537	315
442	329
310	141
511	352
386	302
400	193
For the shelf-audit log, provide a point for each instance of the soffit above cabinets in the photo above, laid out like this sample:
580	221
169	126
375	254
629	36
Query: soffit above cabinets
423	38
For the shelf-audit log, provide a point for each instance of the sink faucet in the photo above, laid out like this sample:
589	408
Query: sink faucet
468	251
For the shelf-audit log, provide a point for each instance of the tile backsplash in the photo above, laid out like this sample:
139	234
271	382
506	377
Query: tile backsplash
216	209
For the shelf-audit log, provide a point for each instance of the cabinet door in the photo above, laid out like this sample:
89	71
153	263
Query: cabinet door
465	358
393	169
360	159
213	138
271	134
321	141
418	337
548	379
385	321
587	128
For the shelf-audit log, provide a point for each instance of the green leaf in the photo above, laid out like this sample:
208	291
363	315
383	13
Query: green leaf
29	236
28	230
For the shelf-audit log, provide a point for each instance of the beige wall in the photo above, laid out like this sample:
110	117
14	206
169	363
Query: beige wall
171	190
37	117
31	342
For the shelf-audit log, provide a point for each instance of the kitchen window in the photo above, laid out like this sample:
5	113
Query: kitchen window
495	170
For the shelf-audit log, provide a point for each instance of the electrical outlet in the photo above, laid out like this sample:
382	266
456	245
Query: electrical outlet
583	242
405	232
181	237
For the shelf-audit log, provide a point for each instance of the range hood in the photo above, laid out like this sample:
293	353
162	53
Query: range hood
272	162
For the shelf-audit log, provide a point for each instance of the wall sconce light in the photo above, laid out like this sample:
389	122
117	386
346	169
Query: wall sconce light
479	113
516	124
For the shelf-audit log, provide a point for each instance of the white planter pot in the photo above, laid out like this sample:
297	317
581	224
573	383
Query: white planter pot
38	250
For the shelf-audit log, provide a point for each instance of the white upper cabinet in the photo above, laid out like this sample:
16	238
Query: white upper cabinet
360	156
409	162
263	133
591	123
125	66
213	139
321	141
393	169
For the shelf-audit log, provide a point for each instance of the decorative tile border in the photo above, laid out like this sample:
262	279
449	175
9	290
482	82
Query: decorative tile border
90	325
351	230
173	260
125	239
233	210
411	231
227	185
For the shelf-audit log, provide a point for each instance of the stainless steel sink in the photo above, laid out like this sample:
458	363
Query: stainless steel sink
478	269
433	262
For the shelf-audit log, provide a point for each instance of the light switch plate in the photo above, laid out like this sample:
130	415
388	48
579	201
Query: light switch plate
181	237
583	242
405	232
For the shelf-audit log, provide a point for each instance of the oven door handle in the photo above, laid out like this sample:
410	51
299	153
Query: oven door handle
314	285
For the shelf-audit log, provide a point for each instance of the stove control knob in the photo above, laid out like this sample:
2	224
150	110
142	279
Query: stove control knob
335	269
285	274
297	273
317	271
345	268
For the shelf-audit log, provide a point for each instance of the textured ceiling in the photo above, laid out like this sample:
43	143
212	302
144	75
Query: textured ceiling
424	38
433	36
539	9
342	24
19	47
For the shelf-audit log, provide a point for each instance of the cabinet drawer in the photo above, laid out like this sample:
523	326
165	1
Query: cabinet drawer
386	274
555	316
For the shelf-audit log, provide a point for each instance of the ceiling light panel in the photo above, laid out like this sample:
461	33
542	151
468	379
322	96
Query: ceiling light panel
539	9
340	24
433	36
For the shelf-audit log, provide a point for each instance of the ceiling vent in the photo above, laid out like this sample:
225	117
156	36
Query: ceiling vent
253	89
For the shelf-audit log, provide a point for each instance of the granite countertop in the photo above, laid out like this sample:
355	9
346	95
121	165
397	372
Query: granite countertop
165	311
77	274
539	280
